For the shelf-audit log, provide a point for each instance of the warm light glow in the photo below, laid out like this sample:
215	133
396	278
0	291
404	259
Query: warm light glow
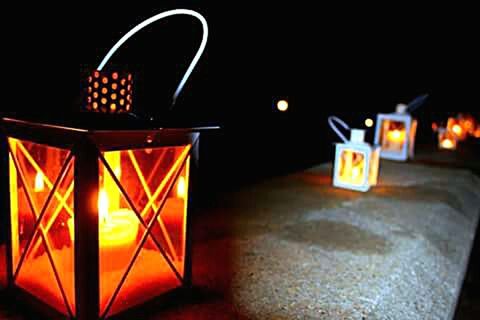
103	206
282	105
117	228
434	126
351	167
457	129
369	122
476	134
39	182
181	188
447	144
396	135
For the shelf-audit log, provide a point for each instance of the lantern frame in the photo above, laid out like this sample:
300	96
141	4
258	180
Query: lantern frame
371	159
408	148
86	147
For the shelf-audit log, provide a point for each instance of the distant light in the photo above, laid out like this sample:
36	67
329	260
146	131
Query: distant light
282	105
434	126
457	129
369	122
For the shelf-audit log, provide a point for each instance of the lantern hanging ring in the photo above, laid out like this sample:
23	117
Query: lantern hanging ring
153	19
332	125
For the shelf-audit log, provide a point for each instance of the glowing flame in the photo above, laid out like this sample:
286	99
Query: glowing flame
447	144
396	135
181	188
39	182
476	134
103	204
457	129
355	173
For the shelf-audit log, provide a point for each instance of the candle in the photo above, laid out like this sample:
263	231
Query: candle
395	139
352	170
447	144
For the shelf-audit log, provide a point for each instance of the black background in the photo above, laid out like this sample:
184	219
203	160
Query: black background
348	60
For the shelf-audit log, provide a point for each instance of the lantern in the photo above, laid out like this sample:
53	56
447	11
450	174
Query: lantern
446	139
468	123
395	133
356	162
98	220
454	126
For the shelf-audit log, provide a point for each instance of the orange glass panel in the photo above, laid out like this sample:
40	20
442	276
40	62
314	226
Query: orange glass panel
147	176
374	167
393	135
119	232
37	277
173	216
150	277
352	167
39	167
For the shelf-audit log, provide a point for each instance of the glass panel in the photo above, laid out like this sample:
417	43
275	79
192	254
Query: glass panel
351	168
146	176
393	135
173	217
37	277
119	235
143	174
39	168
40	165
374	166
58	225
150	276
411	138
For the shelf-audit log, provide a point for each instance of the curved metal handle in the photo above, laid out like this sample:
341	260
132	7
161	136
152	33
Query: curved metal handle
331	120
154	19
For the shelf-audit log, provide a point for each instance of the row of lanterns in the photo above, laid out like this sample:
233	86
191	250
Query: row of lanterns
458	128
357	162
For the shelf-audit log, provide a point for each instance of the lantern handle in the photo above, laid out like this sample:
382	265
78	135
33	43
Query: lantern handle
153	19
332	125
417	102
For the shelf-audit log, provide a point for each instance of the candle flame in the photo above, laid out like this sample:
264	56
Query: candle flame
447	144
457	129
39	182
103	205
181	188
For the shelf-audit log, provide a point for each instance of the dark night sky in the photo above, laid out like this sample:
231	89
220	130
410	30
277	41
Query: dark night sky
332	59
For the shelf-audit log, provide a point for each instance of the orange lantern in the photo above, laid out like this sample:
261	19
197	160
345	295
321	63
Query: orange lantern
446	140
98	220
395	133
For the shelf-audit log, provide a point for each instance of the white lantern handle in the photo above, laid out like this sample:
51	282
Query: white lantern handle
154	19
332	125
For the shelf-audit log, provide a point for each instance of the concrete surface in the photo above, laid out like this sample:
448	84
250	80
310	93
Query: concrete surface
295	248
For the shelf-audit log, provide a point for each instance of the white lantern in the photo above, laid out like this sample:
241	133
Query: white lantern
395	134
356	162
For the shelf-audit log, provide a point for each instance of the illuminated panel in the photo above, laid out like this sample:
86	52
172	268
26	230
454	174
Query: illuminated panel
393	135
42	251
351	168
141	258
